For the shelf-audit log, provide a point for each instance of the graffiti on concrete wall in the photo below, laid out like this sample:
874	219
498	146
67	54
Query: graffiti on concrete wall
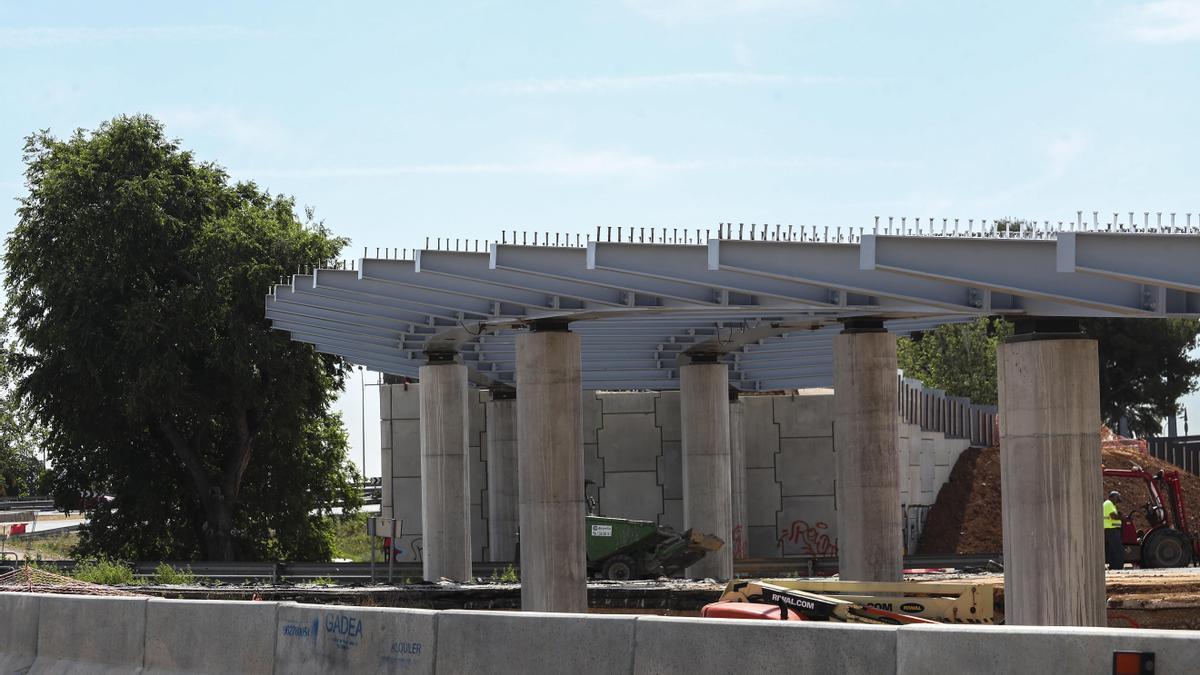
814	538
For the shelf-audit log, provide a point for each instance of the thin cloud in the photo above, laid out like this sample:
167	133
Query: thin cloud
59	36
577	85
224	123
1161	21
683	11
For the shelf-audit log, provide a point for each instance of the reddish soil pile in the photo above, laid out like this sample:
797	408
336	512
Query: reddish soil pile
965	519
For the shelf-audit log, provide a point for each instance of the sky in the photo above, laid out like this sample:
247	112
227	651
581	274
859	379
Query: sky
401	120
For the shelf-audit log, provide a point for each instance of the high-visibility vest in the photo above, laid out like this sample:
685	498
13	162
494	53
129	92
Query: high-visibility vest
1112	518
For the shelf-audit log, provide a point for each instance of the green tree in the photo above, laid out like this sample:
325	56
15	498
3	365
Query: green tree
1144	364
21	439
1144	369
135	281
957	357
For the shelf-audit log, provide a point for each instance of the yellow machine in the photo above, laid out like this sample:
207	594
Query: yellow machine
944	602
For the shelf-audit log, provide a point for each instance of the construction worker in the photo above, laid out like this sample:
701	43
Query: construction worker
1114	550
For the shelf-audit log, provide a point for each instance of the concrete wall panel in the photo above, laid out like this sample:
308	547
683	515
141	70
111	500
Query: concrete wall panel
1019	649
670	470
205	636
627	402
803	416
633	494
321	639
808	526
804	466
666	415
534	642
762	434
630	442
114	640
18	631
682	645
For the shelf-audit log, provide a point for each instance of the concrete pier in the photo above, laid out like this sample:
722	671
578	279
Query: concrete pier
737	479
445	500
502	500
550	470
1051	483
870	542
707	497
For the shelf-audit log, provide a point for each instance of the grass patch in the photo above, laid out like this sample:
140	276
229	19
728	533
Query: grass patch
45	547
350	540
104	572
323	581
506	576
167	575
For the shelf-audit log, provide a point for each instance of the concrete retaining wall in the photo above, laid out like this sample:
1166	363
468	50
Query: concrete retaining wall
80	634
632	456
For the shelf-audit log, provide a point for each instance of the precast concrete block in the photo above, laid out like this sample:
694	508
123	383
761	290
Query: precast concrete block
209	636
534	642
927	484
321	639
718	646
762	497
631	494
627	402
406	447
670	469
90	634
18	631
591	416
479	532
808	526
406	503
593	464
672	514
406	401
763	541
761	431
629	442
385	434
385	401
803	416
806	466
666	415
476	417
1045	649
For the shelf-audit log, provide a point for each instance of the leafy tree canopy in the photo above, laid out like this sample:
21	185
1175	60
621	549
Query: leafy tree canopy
20	440
1144	364
135	278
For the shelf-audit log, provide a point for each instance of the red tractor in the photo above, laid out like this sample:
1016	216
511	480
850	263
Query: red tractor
1168	540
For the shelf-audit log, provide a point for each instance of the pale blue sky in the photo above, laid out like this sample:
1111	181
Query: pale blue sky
399	120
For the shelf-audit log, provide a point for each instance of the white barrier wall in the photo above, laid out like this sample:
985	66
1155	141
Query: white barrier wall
328	638
18	632
632	458
199	636
90	634
80	634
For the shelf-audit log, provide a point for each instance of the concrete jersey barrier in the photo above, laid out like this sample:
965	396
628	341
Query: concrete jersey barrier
210	636
18	631
90	634
335	639
534	642
1038	649
701	646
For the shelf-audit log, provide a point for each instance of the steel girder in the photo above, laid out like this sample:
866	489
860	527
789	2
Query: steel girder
768	308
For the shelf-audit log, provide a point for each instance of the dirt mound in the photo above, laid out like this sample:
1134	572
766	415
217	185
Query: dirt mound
965	519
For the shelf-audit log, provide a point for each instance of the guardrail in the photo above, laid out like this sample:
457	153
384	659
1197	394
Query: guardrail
360	572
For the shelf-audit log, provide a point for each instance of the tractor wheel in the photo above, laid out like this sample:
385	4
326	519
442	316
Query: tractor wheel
1167	548
620	568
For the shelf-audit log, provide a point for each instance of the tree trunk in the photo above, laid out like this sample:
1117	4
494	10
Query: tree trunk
218	531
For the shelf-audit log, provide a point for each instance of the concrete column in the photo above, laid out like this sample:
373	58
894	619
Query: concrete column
1051	485
707	498
550	471
503	504
445	496
865	437
737	483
